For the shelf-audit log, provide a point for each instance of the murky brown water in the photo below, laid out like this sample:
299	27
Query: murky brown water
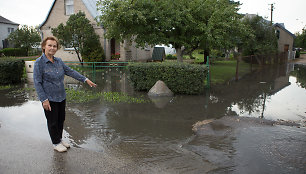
158	134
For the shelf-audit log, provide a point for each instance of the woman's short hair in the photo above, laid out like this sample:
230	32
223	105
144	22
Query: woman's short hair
44	42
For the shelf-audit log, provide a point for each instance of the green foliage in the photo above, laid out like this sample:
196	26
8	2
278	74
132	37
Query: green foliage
205	23
216	53
11	71
265	40
5	87
300	40
13	52
83	96
171	57
25	37
79	34
181	78
117	97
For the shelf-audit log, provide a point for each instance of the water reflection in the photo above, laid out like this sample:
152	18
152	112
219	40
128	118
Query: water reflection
280	97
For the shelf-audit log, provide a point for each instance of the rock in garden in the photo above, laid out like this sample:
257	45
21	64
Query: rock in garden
160	89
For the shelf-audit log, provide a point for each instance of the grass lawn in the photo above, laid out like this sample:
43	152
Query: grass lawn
223	71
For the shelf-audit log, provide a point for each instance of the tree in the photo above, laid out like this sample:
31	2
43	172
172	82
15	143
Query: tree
265	40
25	37
79	34
300	40
186	25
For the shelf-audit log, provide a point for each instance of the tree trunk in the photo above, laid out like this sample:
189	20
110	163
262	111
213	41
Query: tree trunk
79	57
179	54
78	54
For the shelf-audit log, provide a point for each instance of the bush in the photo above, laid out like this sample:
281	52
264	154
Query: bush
171	57
13	52
11	71
96	55
181	78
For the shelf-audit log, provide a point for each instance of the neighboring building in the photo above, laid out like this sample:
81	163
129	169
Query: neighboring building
6	27
60	12
285	37
285	40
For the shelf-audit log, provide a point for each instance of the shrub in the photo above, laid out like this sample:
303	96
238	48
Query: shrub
13	52
11	71
181	78
96	55
171	57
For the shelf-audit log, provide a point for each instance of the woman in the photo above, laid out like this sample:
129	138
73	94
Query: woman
49	72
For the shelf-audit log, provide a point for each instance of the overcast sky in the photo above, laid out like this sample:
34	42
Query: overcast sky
290	12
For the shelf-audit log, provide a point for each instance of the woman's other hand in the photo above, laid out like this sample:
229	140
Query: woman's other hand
46	105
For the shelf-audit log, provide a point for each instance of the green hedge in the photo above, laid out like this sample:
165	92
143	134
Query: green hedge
11	71
13	52
181	78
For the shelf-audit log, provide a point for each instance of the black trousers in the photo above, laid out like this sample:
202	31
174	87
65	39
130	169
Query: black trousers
55	120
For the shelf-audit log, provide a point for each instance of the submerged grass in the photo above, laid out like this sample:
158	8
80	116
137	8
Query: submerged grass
82	96
3	87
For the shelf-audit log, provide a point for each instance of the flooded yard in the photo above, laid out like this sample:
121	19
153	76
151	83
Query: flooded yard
158	133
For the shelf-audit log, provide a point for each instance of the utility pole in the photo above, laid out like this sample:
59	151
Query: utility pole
272	8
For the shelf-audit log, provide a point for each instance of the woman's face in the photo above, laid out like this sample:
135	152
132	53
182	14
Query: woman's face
50	47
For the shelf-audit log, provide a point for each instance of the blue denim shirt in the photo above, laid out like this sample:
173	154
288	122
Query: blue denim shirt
49	78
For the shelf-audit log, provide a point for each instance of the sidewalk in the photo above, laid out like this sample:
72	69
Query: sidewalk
20	154
300	60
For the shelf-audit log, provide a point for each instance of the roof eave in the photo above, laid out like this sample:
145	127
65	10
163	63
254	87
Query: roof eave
280	26
47	15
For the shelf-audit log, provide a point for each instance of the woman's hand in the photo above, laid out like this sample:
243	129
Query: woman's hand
46	105
90	83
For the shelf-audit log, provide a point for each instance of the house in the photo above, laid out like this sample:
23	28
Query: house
6	27
60	12
285	40
285	37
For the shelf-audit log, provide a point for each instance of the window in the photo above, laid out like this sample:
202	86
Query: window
277	33
69	10
10	30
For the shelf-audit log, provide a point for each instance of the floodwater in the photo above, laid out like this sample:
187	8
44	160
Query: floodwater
158	134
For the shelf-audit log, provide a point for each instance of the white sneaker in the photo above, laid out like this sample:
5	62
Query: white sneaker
60	148
67	145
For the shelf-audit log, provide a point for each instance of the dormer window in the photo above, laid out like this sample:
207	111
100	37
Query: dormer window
69	9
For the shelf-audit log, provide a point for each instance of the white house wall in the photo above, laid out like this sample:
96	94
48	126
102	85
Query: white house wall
4	32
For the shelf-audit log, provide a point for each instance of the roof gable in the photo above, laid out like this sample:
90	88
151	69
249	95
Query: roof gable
6	21
283	28
89	4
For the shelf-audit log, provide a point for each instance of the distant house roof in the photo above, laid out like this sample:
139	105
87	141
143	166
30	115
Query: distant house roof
6	21
282	26
90	5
